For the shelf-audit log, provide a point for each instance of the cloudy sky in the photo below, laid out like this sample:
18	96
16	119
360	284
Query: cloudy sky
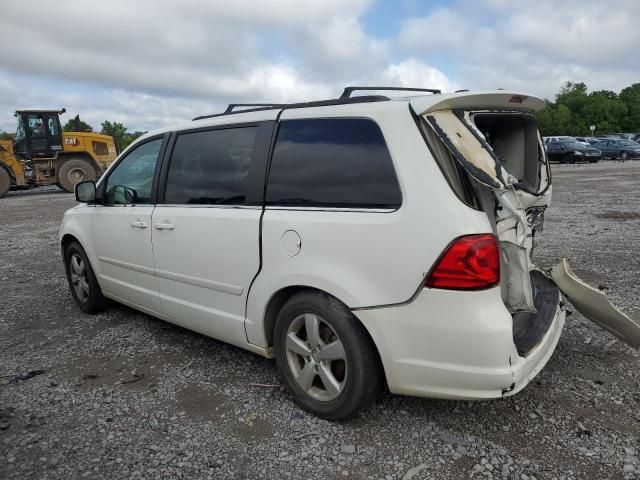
151	63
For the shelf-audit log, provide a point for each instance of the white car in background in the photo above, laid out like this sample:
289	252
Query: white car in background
565	138
361	241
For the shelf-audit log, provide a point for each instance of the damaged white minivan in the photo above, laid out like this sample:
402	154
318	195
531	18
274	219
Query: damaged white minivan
363	242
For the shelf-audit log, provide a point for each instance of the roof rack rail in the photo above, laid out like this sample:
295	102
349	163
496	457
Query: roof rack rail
349	90
270	105
343	99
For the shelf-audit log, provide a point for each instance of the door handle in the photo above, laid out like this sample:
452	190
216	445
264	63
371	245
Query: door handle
164	226
138	224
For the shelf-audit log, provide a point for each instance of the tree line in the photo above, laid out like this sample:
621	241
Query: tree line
121	135
575	109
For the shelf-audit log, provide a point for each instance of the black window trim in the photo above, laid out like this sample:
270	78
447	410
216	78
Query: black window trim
101	190
321	208
256	176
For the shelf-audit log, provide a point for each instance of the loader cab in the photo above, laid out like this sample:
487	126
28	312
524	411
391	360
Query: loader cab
38	133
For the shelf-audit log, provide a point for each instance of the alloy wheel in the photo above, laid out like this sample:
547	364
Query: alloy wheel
316	357
79	280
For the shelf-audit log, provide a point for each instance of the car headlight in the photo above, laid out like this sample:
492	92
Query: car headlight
578	153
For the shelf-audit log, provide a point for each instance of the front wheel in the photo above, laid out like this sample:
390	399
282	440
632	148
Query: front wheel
568	158
82	281
325	357
73	171
5	182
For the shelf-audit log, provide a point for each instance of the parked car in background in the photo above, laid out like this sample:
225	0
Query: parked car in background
617	148
582	140
636	138
558	138
571	151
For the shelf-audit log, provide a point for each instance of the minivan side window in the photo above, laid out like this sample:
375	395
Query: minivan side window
210	167
131	180
332	162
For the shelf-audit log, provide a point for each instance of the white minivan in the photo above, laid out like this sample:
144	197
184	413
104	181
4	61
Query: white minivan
363	242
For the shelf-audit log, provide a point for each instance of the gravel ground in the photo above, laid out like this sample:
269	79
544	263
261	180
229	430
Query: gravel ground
123	395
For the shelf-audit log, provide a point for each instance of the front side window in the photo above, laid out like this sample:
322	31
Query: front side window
36	125
332	162
210	167
131	180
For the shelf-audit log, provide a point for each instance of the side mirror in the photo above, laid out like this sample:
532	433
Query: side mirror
85	191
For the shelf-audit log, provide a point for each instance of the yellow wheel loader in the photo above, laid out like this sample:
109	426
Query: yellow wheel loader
42	154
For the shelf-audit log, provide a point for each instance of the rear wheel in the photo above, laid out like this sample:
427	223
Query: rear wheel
73	171
5	182
82	281
325	358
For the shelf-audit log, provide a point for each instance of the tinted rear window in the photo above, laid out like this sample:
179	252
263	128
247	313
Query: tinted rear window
210	167
338	162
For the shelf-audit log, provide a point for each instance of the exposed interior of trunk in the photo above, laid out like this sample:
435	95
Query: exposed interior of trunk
514	138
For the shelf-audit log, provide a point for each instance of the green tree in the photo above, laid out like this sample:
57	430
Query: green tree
70	126
630	96
116	130
575	109
130	137
5	136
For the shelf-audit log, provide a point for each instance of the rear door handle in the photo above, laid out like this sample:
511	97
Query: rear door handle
138	224
164	226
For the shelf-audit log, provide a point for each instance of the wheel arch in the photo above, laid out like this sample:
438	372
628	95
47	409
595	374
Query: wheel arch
280	297
66	240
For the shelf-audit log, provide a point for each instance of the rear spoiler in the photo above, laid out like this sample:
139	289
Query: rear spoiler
483	100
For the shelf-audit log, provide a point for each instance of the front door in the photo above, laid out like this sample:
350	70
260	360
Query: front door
205	234
122	229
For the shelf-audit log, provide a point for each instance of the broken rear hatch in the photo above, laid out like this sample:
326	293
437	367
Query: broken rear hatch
495	139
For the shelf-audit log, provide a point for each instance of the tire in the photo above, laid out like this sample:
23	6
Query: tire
568	158
74	170
5	182
82	281
331	382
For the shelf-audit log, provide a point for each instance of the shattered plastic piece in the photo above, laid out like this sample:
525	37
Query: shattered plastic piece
594	305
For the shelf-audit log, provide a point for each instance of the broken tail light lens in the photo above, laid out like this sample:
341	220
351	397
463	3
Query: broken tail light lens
471	262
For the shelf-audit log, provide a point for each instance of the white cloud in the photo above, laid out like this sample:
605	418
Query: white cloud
535	46
414	73
148	64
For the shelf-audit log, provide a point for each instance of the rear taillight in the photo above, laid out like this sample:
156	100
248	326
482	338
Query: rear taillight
471	262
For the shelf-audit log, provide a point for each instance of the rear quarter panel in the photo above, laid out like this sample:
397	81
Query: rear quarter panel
365	258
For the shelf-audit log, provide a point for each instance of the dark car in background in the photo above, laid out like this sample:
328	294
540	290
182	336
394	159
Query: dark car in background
618	148
571	151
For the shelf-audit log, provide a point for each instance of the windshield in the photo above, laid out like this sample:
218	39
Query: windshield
572	144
